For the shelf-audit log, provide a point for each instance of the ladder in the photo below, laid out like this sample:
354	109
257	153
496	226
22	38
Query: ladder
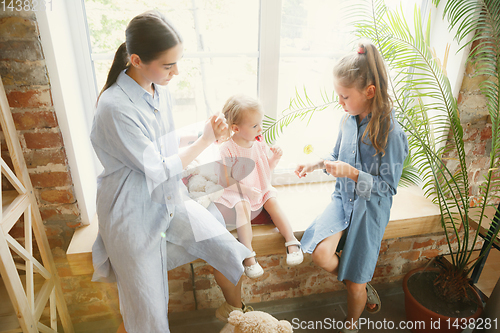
29	302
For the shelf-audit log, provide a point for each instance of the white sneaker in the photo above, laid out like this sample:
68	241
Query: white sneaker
255	270
294	258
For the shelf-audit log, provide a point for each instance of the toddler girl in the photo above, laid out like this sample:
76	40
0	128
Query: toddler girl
247	164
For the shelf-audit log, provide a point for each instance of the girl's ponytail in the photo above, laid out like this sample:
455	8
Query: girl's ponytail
120	62
361	69
379	126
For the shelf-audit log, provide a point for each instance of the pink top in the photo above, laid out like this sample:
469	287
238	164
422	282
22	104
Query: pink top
250	166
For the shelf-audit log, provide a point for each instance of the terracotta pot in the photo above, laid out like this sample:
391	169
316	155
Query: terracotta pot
434	322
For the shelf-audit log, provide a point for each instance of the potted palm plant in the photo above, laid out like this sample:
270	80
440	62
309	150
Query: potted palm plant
428	112
448	183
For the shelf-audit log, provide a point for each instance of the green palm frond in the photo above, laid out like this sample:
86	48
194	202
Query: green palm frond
426	109
428	112
481	19
301	107
410	175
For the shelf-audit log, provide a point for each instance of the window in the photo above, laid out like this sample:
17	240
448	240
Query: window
227	46
220	48
269	49
314	35
279	45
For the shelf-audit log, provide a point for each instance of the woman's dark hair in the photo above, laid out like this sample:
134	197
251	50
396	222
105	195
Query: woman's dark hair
148	35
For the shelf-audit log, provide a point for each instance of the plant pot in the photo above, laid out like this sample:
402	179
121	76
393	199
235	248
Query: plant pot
424	320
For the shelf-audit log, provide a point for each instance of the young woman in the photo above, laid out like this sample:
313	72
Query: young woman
147	224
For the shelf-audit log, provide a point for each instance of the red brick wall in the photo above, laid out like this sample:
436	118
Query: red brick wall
27	85
476	123
397	257
89	301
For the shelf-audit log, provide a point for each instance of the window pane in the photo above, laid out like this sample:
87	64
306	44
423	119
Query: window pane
197	96
220	48
314	35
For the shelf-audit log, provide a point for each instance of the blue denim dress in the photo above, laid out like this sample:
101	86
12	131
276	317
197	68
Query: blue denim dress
147	222
362	208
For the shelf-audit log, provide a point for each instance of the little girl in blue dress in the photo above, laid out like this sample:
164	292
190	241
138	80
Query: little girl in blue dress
367	161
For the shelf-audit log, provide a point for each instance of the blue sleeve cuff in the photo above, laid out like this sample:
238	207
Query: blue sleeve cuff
331	159
173	165
364	185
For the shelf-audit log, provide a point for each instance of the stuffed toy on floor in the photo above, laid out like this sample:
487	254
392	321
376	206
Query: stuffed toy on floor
255	322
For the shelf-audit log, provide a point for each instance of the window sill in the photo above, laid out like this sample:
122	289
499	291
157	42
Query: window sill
411	214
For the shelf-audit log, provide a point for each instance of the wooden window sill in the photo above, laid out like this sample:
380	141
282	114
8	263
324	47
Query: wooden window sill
411	214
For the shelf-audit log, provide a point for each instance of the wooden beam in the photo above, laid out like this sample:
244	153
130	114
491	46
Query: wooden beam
21	173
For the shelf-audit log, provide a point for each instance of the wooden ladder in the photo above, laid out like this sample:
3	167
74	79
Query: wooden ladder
28	304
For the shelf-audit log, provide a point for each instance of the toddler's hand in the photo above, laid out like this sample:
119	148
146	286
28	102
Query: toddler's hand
252	193
277	152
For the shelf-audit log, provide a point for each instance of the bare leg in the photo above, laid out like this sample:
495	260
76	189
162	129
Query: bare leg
121	329
356	300
281	222
232	293
244	228
324	254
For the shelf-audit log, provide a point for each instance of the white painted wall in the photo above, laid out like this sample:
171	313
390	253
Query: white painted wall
73	98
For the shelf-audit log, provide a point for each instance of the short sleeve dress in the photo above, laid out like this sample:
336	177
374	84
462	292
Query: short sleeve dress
147	222
361	208
249	166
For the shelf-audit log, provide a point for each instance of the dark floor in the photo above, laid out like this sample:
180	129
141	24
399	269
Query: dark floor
304	311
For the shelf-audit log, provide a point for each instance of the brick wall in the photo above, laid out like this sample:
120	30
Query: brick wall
27	85
476	123
89	301
397	257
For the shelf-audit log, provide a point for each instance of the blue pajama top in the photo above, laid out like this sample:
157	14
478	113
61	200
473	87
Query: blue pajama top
363	208
147	222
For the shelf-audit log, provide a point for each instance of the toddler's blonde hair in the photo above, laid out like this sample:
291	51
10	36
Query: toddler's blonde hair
236	107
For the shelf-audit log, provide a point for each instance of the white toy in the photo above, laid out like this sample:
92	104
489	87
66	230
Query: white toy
255	322
201	182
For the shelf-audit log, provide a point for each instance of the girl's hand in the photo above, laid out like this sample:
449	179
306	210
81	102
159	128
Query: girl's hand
215	128
341	169
303	169
252	193
277	152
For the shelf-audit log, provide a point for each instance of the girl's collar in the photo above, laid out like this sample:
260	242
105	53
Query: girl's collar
365	119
